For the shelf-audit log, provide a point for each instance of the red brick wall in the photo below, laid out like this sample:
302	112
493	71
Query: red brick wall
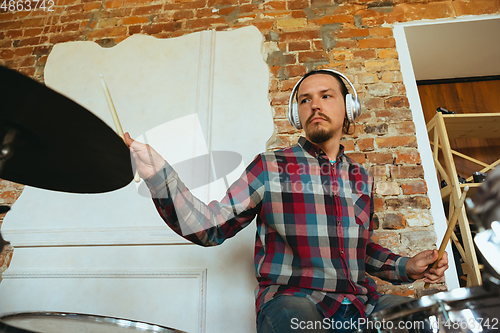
352	36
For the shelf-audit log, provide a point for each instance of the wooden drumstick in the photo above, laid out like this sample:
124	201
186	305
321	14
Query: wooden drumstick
116	120
449	230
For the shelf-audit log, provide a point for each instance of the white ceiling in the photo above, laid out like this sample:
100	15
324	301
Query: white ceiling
452	50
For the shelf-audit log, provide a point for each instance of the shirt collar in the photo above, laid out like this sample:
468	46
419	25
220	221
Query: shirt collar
314	150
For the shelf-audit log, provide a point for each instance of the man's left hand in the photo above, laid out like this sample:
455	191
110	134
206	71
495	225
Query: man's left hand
419	266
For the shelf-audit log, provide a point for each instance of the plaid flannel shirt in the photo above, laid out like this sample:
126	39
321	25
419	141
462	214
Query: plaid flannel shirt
314	225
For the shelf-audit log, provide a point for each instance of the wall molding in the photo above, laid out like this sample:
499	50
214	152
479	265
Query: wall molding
93	237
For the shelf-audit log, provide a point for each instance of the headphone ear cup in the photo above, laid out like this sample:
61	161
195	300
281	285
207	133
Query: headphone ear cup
295	116
349	108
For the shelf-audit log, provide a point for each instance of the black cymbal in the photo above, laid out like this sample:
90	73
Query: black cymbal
51	142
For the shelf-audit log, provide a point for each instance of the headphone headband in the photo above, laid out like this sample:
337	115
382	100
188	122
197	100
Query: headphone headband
353	107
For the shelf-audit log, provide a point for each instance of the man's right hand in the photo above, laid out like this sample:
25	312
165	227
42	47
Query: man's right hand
148	161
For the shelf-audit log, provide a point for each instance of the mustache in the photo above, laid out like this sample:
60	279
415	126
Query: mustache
317	114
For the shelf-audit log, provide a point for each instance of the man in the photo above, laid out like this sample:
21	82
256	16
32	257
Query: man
314	209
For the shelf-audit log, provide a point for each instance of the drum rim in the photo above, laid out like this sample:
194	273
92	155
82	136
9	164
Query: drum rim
404	309
129	323
431	301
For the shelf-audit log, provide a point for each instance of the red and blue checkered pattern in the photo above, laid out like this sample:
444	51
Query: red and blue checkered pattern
314	225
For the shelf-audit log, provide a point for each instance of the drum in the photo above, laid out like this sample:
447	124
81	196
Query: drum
55	322
460	310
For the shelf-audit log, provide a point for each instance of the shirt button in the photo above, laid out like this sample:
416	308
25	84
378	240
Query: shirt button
342	252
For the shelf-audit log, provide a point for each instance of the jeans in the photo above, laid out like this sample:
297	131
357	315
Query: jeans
299	314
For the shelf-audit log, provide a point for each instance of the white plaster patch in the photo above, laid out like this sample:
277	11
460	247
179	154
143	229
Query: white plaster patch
418	219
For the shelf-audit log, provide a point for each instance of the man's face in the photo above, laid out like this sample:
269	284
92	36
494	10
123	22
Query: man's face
321	107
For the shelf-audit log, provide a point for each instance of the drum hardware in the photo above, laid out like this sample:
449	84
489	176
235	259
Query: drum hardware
491	284
443	310
459	310
479	177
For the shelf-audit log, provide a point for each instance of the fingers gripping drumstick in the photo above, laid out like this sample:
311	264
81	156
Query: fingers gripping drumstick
449	230
115	118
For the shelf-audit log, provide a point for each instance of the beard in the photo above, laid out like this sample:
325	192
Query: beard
318	134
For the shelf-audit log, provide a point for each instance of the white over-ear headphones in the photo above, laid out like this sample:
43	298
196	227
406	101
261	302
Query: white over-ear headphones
352	105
